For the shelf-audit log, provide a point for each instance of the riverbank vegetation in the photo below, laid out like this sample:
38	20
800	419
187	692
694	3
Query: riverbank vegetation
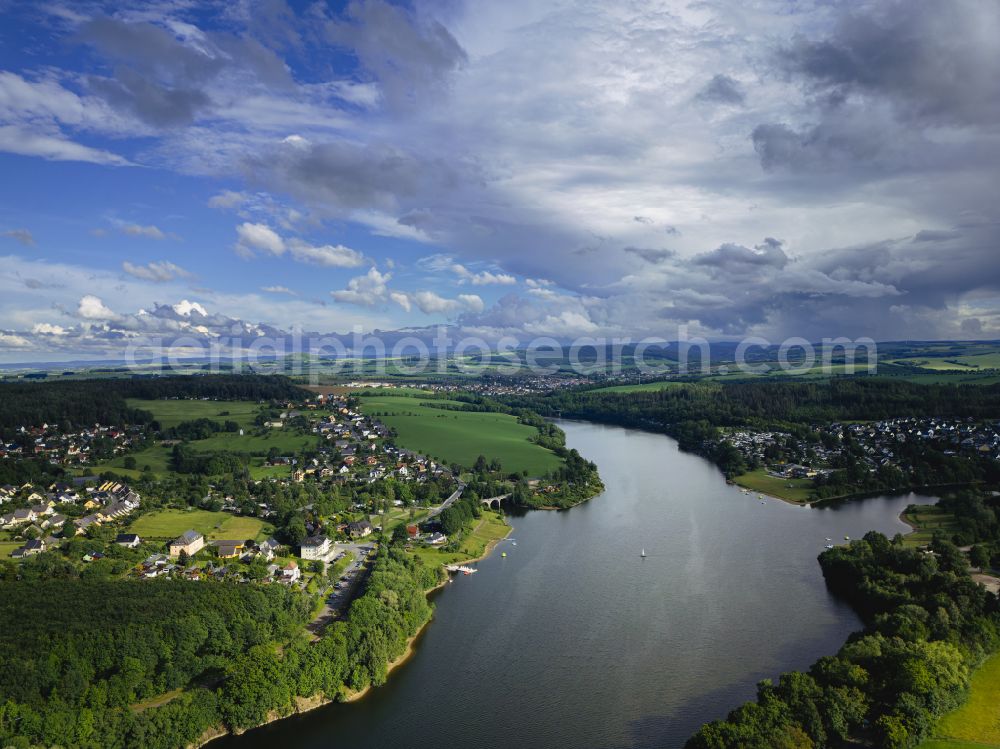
699	414
164	663
927	626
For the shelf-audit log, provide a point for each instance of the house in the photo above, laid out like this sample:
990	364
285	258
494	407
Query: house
290	573
30	548
85	522
270	547
128	540
20	517
228	549
437	539
360	529
315	547
56	521
191	542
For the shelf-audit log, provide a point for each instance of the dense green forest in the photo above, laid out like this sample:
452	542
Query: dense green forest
77	403
768	404
80	657
927	625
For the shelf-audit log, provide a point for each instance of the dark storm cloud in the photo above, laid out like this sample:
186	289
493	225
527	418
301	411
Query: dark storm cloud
722	90
731	256
162	80
651	255
936	60
879	80
345	175
410	56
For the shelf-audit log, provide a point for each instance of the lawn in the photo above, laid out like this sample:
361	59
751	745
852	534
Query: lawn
926	519
6	547
461	436
644	387
794	490
170	413
977	722
157	457
168	524
490	527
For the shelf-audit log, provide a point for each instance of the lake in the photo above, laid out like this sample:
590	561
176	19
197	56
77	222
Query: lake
575	640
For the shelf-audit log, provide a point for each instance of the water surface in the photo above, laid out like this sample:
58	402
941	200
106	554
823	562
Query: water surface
574	640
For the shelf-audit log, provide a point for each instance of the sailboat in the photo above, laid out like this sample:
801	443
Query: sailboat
643	554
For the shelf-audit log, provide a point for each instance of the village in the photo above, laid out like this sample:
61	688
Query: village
875	444
100	521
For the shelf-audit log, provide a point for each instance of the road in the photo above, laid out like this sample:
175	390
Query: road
346	588
448	502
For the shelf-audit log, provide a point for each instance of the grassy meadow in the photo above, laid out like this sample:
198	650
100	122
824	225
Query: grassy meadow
461	436
977	722
793	490
170	413
168	524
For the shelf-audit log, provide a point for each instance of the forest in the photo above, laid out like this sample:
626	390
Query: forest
187	657
928	624
76	403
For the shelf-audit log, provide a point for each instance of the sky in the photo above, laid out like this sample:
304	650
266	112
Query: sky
532	167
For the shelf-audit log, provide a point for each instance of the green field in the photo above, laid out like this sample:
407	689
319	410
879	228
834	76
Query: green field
6	547
168	524
977	722
170	413
461	436
489	528
157	457
794	490
926	519
644	387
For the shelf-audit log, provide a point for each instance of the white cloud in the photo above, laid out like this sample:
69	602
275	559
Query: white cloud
402	299
184	308
431	303
279	290
365	291
12	340
331	256
93	308
157	271
137	230
251	236
259	237
14	139
44	328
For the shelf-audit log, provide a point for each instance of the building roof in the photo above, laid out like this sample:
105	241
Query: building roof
188	537
313	541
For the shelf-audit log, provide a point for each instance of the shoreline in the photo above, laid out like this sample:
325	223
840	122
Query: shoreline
307	704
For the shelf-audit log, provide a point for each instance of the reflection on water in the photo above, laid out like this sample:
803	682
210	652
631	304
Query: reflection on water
574	640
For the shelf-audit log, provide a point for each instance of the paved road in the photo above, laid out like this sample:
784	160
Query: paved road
448	502
347	587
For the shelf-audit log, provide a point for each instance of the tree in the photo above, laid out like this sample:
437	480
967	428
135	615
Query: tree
979	556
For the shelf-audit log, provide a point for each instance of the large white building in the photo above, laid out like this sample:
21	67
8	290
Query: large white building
315	547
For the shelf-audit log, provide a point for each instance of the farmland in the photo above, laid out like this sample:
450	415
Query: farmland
461	436
167	524
170	413
976	723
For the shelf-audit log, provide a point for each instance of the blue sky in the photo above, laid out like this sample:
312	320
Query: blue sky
525	168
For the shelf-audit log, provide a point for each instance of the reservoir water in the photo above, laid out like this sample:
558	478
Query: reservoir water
573	640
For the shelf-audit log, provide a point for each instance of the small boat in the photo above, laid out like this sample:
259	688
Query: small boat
760	496
847	538
643	554
513	543
830	546
829	539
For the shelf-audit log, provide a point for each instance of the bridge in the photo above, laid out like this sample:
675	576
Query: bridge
488	501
